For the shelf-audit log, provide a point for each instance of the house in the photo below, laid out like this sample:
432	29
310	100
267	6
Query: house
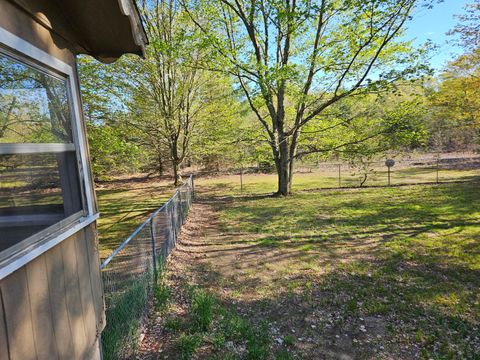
51	296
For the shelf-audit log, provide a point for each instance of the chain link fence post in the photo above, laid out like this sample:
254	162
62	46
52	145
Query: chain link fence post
192	184
154	252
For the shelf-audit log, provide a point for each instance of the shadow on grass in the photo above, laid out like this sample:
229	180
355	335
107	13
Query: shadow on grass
360	274
389	307
390	210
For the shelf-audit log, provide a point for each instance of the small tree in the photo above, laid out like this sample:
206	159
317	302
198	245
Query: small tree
105	91
456	101
390	124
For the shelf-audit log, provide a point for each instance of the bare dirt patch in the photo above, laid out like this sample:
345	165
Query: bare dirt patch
229	266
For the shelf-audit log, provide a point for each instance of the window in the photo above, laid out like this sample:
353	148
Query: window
41	190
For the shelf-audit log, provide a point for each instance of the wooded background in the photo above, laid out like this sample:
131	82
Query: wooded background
258	83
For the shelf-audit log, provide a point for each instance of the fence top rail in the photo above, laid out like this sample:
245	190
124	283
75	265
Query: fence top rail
138	229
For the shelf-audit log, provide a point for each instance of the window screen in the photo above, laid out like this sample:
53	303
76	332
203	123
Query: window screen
39	174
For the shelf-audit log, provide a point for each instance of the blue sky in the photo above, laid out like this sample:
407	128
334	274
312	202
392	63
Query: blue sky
433	24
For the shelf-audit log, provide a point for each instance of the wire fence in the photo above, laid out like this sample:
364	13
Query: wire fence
130	271
402	172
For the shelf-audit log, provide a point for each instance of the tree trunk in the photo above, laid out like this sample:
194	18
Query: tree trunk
176	173
283	181
283	169
290	174
160	164
364	179
175	161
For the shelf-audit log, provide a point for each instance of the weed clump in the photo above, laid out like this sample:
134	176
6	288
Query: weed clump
202	310
188	344
216	329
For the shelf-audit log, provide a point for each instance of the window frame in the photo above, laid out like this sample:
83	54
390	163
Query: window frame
28	249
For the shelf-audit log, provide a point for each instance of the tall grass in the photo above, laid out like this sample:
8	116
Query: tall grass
123	315
202	309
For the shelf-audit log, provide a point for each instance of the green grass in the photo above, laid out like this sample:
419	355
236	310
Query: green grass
320	179
212	328
201	310
408	256
161	290
124	311
289	340
188	345
124	206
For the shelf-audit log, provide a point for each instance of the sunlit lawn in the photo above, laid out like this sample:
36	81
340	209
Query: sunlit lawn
404	262
379	272
264	183
124	206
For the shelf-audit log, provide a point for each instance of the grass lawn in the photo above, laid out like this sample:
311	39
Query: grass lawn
124	205
321	179
376	273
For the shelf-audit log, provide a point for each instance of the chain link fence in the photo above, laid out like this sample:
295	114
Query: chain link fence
130	271
403	172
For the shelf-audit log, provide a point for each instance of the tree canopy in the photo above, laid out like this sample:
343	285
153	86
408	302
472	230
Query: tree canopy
235	83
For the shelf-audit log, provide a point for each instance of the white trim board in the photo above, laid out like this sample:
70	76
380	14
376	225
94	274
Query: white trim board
42	248
26	48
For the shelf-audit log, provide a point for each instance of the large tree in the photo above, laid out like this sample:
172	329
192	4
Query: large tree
170	89
166	104
295	59
467	30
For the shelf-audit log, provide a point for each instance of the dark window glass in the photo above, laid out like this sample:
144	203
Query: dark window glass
39	178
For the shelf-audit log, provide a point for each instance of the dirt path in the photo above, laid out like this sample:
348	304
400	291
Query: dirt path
227	265
325	277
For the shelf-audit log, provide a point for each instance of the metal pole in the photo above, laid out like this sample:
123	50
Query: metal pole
193	186
388	175
154	255
339	176
437	170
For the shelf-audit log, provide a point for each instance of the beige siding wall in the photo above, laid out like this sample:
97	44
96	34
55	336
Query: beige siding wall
52	308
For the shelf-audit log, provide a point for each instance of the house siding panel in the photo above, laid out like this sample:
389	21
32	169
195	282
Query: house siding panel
40	308
73	295
96	281
18	317
49	305
60	315
4	353
13	19
86	294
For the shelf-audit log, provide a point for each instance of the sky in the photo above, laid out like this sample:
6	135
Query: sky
433	24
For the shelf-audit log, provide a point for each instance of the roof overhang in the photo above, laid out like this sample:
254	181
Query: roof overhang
104	29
